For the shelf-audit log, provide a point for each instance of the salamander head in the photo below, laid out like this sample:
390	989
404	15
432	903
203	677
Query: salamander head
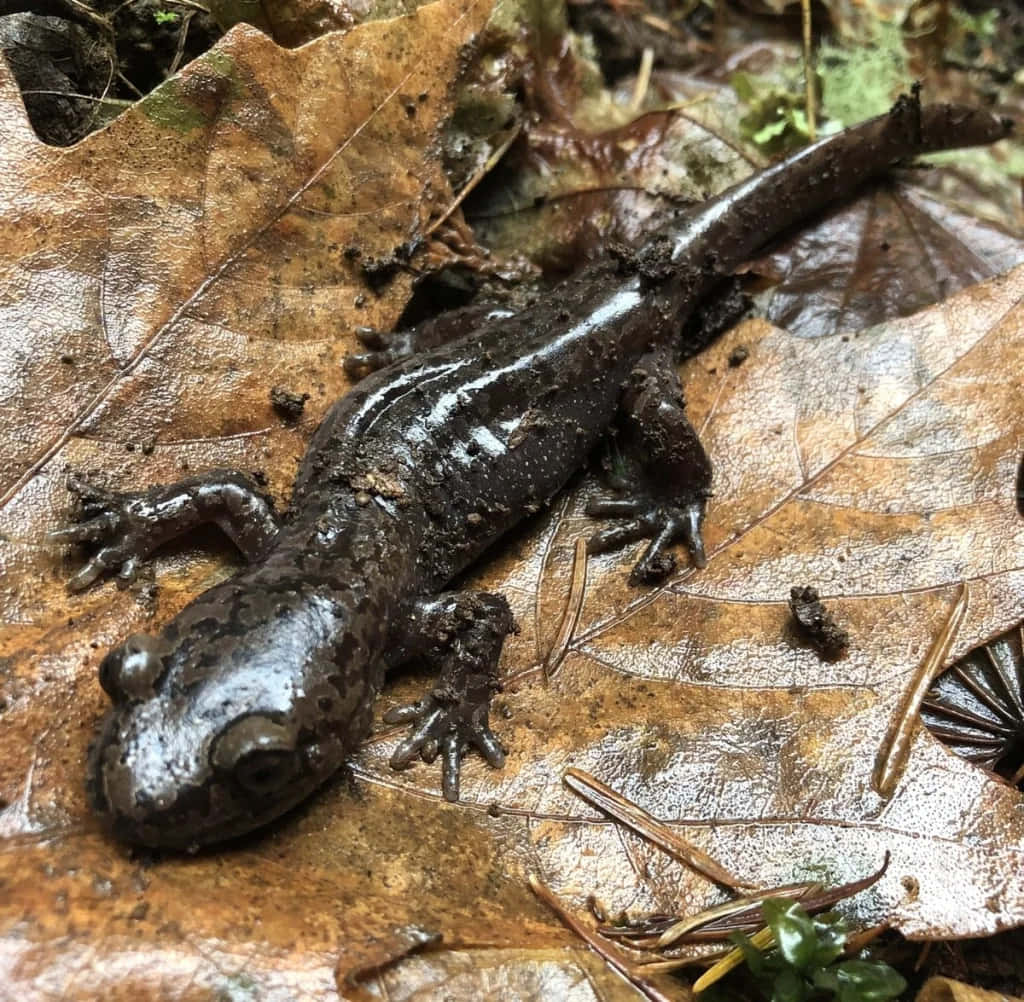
217	729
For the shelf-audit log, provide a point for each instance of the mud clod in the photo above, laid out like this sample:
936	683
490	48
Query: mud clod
288	404
815	624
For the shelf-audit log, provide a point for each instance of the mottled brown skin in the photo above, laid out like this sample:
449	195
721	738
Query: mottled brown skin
260	688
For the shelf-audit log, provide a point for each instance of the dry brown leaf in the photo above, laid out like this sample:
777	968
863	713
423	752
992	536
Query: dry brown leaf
164	274
947	990
295	22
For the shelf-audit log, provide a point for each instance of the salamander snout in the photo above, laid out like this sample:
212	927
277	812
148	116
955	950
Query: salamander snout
244	703
158	780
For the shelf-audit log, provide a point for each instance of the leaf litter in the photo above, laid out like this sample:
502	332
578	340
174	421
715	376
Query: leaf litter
873	463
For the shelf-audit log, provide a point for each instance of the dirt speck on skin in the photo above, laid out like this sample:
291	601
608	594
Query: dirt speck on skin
815	624
288	404
652	261
738	356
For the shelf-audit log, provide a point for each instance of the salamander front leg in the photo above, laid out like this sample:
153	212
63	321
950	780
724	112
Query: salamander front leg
672	482
462	633
129	526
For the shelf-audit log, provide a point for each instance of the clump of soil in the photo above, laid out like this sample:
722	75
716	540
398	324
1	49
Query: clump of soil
287	403
815	623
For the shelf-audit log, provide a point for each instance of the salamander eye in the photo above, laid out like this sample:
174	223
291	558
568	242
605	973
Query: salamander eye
131	671
258	753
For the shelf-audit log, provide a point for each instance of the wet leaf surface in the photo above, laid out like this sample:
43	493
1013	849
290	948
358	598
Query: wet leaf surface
566	190
161	277
892	253
976	706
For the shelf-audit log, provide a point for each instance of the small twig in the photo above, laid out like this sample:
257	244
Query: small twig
660	24
477	177
604	950
643	80
678	963
179	52
896	747
112	64
730	909
718	28
81	97
763	940
604	798
744	914
129	84
805	17
571	614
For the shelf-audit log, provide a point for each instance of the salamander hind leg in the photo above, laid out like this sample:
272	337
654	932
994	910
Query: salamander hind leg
462	633
128	526
672	478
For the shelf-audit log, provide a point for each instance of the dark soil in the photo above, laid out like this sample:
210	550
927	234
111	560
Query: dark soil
80	65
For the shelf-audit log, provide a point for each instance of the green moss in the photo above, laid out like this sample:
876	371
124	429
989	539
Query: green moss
863	78
169	108
173	104
776	120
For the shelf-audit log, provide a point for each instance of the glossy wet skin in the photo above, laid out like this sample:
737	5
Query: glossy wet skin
245	703
258	690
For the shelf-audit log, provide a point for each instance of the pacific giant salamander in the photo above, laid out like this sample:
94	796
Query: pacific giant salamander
257	691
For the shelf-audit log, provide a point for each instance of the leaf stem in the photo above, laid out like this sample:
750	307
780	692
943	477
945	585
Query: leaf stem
896	748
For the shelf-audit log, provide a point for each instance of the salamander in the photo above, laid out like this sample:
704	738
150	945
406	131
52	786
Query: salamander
260	688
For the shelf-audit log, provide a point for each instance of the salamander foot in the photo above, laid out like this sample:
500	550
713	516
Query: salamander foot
450	723
463	633
128	526
384	347
119	523
662	523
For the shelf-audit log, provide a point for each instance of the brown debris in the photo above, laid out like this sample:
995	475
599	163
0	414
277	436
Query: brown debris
815	623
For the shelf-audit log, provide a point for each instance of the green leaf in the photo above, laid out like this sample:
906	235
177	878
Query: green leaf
793	929
789	987
752	956
868	981
771	131
831	932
